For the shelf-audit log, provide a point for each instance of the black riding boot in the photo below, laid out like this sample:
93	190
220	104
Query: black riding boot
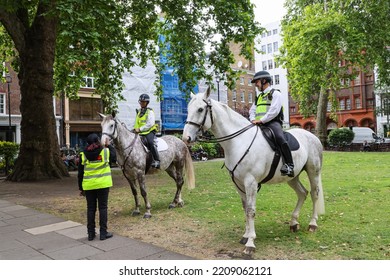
156	158
287	168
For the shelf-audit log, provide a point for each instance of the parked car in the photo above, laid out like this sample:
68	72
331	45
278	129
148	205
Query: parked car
364	134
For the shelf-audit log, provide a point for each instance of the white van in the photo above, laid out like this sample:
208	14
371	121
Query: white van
364	134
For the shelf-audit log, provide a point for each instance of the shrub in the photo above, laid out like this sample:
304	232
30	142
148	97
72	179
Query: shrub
341	137
8	150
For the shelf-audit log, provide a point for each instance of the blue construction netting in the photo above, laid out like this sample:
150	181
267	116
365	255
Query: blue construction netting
174	102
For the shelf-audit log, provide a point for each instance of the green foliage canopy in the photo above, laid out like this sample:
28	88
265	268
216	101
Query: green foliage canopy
104	38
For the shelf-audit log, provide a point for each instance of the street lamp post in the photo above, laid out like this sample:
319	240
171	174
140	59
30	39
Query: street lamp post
8	78
218	80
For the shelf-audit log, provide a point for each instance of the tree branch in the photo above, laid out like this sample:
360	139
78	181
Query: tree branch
14	27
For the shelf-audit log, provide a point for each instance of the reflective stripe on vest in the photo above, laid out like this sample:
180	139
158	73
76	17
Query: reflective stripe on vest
97	173
141	121
262	106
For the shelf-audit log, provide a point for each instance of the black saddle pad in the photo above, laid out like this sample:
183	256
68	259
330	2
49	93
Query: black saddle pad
269	136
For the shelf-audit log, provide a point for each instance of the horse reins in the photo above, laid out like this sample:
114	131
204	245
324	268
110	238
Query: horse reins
130	146
208	108
224	138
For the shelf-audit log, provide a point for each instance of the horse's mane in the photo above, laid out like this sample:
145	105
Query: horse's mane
233	115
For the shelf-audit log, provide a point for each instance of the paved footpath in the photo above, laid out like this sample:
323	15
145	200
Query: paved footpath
27	234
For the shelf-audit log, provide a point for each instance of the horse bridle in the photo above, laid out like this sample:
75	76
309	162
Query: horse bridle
111	135
208	109
131	146
220	139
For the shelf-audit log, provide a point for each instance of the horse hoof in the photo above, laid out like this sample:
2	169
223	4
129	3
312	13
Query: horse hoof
135	213
294	228
249	251
147	216
312	228
243	240
171	206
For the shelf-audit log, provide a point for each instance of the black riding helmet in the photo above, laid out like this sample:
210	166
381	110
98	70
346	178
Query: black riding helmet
92	138
262	75
144	97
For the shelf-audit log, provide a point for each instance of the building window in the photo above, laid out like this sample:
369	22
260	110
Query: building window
243	96
275	31
2	103
89	82
370	103
358	104
85	109
342	104
357	80
269	48
276	46
270	64
264	65
292	110
264	49
250	97
249	82
234	95
277	80
348	104
242	81
269	33
328	107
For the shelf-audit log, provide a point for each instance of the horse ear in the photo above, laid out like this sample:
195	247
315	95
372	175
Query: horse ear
192	95
208	91
101	115
113	114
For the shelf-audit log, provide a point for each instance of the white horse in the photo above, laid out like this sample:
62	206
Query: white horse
249	158
134	159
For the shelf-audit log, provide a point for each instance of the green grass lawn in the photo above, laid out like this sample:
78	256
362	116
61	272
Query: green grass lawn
356	224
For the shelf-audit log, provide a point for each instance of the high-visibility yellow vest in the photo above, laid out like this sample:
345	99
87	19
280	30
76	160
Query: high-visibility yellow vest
97	173
141	121
263	103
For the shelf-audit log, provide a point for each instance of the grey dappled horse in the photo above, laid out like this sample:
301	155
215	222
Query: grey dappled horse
132	157
249	158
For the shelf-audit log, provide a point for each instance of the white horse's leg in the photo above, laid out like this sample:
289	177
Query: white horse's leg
244	238
250	212
133	187
141	181
317	199
176	173
301	192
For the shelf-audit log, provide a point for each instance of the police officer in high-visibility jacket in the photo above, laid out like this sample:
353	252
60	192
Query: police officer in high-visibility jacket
268	111
145	125
95	180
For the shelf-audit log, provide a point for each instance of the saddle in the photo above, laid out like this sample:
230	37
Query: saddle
270	137
161	146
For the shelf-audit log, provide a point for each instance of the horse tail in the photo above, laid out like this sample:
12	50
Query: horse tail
190	174
320	201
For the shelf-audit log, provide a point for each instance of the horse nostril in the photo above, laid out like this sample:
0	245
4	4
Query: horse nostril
189	139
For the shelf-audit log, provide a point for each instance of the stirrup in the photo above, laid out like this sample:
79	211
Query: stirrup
287	170
156	164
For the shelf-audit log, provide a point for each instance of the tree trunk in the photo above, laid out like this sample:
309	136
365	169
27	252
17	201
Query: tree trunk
321	116
39	156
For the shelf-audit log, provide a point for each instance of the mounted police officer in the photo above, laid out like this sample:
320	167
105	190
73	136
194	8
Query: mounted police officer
94	179
145	125
268	111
